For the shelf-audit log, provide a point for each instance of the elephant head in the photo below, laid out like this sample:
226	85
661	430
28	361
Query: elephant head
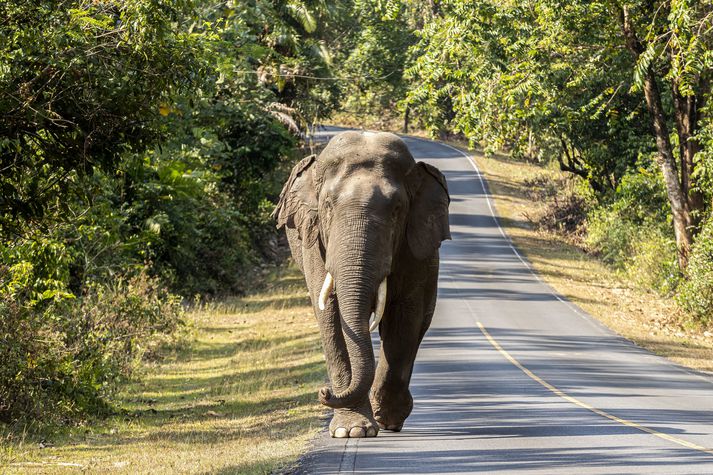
364	201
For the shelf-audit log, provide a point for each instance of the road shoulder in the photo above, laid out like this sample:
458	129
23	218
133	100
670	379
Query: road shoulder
643	317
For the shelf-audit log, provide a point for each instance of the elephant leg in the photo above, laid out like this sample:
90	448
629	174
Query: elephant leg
355	421
401	330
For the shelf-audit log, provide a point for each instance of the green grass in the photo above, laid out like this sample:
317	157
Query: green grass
242	399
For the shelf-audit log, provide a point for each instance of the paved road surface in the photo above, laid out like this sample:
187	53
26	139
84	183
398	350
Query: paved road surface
512	379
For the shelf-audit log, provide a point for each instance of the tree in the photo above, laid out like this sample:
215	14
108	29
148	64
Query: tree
539	78
375	63
573	80
675	50
79	86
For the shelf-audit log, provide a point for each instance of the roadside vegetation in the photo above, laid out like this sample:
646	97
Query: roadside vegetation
142	144
239	399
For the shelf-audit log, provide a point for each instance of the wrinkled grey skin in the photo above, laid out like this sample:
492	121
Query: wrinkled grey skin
364	210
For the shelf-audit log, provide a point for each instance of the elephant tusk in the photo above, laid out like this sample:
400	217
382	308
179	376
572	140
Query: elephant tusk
380	305
327	288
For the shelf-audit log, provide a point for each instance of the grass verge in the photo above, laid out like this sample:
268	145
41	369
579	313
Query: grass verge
644	317
240	400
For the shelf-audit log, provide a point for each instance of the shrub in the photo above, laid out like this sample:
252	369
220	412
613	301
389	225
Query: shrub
631	231
62	355
695	295
644	253
565	214
610	236
653	263
566	207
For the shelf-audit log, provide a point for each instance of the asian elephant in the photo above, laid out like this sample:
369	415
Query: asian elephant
364	222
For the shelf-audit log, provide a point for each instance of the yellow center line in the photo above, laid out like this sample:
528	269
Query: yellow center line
586	406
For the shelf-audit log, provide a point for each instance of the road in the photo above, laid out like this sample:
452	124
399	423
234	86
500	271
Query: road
511	378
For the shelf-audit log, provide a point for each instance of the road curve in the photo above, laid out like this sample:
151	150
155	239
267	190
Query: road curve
511	378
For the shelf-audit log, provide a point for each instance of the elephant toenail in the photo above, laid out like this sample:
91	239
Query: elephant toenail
356	432
341	433
371	432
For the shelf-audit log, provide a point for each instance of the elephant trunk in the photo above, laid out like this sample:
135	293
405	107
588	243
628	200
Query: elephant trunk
357	275
355	303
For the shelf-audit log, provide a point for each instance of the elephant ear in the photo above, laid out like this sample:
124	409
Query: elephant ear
427	225
297	207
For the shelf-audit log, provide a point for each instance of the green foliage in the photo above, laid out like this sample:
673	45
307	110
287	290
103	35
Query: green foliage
62	355
376	62
81	84
653	264
696	294
631	231
703	174
142	143
541	79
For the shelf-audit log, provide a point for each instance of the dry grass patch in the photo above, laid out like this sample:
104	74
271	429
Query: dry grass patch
647	318
241	400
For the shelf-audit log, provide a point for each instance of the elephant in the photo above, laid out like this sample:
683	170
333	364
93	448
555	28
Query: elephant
364	222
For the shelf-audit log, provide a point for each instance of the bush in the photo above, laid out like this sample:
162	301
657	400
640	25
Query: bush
566	215
631	231
695	295
193	234
610	235
566	207
653	263
63	355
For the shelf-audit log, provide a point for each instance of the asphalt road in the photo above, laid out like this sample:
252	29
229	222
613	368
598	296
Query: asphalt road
511	378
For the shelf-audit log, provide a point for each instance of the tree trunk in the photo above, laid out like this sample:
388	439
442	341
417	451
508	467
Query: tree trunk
682	222
686	114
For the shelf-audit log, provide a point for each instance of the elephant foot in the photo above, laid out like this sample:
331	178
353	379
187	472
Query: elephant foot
392	409
353	422
391	427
